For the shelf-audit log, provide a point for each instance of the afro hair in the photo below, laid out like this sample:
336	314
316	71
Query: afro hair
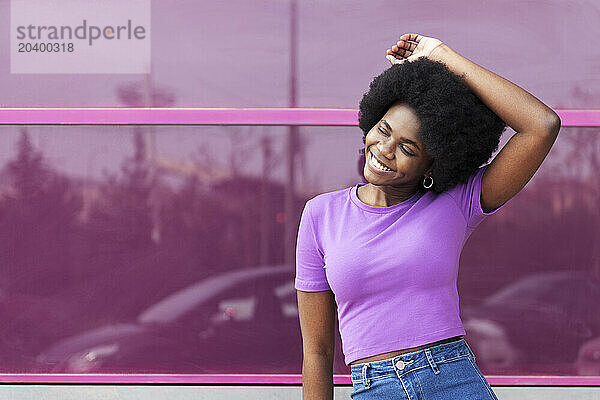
459	131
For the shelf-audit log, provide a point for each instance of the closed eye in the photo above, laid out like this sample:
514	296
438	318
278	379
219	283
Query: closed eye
403	147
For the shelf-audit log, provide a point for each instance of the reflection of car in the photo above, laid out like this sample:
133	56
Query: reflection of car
240	321
535	324
588	359
29	324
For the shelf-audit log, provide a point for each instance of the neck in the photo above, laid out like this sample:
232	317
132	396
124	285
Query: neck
386	195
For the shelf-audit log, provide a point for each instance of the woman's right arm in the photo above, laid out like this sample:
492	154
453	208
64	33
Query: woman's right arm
317	313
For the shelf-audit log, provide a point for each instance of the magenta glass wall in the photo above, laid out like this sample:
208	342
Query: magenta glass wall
154	249
161	250
239	53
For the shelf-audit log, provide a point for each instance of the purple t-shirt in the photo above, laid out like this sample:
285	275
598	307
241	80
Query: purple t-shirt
392	270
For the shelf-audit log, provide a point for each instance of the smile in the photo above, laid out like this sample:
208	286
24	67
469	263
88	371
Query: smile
376	164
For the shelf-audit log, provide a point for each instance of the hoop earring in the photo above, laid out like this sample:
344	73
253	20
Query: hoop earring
430	185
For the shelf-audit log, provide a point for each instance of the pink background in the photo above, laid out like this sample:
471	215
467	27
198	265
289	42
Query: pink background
99	223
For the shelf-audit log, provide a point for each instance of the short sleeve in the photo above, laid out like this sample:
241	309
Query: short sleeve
468	198
310	271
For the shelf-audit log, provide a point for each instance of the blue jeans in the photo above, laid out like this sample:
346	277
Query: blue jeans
443	372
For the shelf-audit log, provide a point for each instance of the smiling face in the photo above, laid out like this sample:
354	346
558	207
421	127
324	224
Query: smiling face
395	142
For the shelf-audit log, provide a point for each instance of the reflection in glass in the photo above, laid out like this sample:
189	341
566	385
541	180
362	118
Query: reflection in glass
138	250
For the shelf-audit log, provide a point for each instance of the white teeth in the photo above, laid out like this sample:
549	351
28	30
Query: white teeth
378	164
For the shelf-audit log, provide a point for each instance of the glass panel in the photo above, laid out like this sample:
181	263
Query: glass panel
163	250
238	53
530	275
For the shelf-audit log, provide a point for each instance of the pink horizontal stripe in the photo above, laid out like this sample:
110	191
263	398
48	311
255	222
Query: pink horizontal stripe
579	117
242	379
217	116
179	116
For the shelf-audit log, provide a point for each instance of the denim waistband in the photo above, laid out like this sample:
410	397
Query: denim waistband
403	363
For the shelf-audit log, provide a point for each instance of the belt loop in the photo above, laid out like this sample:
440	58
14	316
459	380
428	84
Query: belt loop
470	351
432	363
364	376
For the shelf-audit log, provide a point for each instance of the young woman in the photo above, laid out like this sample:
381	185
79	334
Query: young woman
384	256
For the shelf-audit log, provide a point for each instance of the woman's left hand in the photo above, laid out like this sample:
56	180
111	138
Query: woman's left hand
412	46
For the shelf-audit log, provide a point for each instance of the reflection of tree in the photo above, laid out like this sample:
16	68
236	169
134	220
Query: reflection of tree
118	255
145	94
138	94
196	225
580	163
247	212
553	224
243	148
38	219
121	221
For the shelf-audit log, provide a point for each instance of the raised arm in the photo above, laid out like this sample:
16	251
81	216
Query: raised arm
536	124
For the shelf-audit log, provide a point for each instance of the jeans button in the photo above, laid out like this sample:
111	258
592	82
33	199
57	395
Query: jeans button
400	364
